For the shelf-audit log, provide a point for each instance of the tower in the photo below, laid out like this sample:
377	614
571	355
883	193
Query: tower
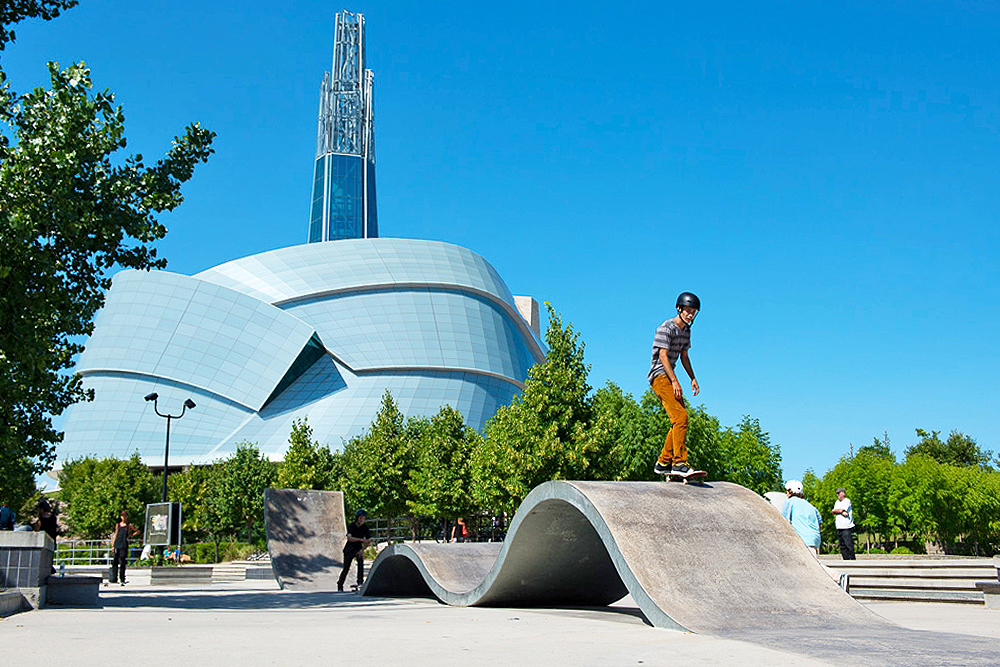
343	196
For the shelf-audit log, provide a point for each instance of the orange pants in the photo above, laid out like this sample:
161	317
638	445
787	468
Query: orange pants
674	448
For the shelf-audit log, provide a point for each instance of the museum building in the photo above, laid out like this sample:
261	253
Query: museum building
318	331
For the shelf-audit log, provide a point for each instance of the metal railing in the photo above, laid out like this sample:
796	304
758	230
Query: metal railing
90	552
485	528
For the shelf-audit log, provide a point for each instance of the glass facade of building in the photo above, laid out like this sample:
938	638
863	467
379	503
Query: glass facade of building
339	204
318	331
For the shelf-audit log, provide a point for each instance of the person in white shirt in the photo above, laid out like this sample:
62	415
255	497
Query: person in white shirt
844	514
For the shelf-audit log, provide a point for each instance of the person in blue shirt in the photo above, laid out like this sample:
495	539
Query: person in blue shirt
7	516
803	516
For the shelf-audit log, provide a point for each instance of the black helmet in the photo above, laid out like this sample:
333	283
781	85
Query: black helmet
358	513
685	299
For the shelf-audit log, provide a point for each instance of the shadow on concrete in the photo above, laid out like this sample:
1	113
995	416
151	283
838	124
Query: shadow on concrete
250	600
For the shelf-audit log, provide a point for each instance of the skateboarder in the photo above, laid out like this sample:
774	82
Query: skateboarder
672	341
358	537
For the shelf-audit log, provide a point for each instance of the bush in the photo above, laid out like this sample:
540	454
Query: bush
204	552
901	550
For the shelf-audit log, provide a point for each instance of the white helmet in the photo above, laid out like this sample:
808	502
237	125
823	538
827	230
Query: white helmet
793	485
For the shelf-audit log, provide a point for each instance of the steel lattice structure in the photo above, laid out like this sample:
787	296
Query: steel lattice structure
344	192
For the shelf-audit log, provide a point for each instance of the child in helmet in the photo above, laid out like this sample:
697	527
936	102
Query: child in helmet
672	341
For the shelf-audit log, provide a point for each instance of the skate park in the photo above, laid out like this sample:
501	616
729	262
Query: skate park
591	573
716	561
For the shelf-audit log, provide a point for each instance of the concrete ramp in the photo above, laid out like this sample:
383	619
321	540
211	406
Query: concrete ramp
715	559
306	533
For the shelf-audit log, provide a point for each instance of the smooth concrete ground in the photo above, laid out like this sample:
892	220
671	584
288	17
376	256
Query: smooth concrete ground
254	623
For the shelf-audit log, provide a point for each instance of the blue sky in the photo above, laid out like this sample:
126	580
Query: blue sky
824	178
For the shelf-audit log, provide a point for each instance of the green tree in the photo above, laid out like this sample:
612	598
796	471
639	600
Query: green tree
190	488
438	485
867	477
622	438
306	465
374	467
236	498
93	491
17	488
540	436
959	449
69	214
212	515
749	457
915	496
15	11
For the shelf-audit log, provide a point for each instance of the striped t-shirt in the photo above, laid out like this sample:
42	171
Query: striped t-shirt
674	340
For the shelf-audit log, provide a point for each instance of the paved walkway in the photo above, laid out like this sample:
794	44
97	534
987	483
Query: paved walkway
253	623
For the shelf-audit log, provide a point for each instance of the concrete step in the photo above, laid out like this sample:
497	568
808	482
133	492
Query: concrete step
929	580
960	597
930	583
228	573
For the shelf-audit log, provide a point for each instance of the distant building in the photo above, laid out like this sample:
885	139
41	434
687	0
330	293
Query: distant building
318	331
343	195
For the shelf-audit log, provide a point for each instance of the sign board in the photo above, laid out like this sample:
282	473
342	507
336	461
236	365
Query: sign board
163	524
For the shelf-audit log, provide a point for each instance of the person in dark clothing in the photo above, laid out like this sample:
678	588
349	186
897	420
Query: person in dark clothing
358	537
119	543
459	532
47	519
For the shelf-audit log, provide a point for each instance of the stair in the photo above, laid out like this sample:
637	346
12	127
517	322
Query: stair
225	573
916	580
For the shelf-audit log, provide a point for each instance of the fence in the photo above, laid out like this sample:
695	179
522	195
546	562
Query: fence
485	528
90	552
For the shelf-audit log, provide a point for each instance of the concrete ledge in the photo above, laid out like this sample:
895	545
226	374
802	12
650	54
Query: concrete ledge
991	593
12	602
190	575
73	591
22	539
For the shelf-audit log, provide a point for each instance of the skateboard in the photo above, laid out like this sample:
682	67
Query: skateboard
693	477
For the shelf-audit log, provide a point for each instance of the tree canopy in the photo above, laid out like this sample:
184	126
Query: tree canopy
307	464
236	490
71	211
959	449
94	491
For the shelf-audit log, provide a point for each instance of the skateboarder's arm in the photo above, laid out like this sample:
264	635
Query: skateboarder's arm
690	371
665	361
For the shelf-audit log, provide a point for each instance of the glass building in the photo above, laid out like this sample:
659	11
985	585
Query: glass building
343	193
318	330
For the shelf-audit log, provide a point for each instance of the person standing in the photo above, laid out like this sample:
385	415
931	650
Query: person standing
47	519
358	537
459	532
123	530
7	516
670	343
803	516
844	518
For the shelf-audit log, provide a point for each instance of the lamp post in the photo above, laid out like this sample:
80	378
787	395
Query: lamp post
166	451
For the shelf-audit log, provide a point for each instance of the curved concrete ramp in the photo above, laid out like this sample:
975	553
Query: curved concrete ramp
715	559
306	532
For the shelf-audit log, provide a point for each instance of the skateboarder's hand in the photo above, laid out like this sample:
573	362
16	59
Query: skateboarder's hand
694	387
678	392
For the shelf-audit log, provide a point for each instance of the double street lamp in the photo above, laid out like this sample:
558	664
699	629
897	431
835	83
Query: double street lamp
166	452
